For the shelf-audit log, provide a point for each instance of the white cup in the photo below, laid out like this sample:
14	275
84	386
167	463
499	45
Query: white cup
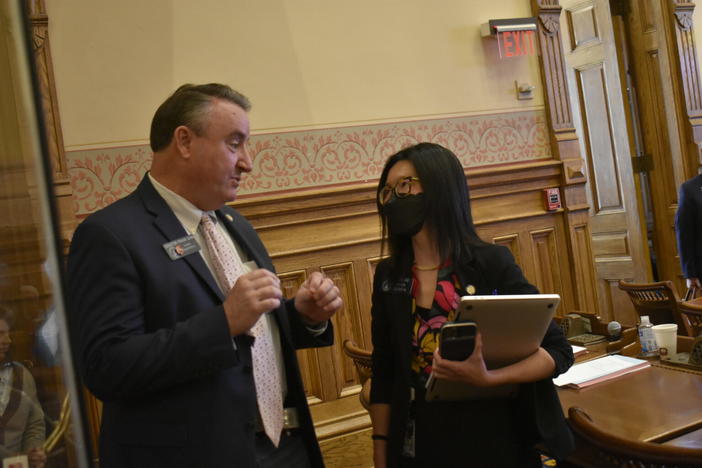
666	335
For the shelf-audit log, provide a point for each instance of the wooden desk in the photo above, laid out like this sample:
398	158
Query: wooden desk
653	405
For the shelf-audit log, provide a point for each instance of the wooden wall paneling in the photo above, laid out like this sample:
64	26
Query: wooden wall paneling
646	16
583	26
539	246
347	325
366	271
580	234
309	363
546	259
493	202
565	147
511	241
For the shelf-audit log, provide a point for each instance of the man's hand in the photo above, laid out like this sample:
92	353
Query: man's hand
693	283
472	370
253	294
36	457
317	299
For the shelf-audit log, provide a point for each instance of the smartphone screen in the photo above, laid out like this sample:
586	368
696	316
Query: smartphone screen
457	340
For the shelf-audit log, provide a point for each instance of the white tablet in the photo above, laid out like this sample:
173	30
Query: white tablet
512	328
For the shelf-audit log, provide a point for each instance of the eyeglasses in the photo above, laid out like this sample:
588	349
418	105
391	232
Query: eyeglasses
401	189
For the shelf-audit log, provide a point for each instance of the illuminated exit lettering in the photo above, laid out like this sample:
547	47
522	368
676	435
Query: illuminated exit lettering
516	43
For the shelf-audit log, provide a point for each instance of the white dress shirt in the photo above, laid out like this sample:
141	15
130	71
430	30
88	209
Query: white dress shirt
189	216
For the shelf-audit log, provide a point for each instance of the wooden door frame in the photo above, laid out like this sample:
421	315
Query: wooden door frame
677	21
687	93
565	147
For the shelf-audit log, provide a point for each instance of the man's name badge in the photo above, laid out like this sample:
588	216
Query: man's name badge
182	247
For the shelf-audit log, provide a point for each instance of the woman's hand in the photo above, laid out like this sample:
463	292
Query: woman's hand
472	371
539	365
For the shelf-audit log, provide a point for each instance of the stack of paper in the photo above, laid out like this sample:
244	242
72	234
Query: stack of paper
578	350
598	370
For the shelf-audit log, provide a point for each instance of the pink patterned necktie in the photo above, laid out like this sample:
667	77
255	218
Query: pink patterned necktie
227	268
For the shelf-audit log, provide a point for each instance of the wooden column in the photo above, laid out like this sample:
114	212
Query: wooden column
685	63
54	136
565	147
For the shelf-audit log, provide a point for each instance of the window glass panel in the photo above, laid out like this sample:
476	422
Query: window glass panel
40	408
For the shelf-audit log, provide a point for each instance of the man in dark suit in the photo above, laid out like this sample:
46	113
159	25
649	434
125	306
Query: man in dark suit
163	342
688	229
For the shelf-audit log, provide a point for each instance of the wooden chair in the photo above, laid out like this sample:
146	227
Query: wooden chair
691	314
362	361
609	451
657	300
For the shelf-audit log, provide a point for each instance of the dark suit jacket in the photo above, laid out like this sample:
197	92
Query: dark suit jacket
688	227
492	269
154	343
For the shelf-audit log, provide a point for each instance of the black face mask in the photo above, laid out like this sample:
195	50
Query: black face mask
405	215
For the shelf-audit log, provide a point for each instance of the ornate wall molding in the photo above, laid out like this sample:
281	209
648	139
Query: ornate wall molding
313	159
549	22
684	18
553	67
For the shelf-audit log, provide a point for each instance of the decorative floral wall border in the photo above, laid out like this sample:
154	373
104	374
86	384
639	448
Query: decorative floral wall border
326	157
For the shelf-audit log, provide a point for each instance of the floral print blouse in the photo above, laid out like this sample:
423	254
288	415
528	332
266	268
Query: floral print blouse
428	322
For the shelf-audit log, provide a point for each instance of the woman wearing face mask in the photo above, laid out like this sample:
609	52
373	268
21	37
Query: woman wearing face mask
435	257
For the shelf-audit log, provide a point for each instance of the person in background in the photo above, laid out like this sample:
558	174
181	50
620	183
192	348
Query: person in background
435	257
181	325
688	230
22	427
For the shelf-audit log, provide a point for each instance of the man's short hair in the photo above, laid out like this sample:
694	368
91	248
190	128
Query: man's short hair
188	106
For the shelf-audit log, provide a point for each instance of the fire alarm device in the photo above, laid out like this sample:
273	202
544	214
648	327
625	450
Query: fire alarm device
553	198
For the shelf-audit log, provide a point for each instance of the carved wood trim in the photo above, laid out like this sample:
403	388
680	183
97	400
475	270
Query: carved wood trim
684	18
688	79
47	87
39	24
687	56
553	69
550	24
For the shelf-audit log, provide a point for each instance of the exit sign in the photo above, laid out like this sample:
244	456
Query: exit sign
515	36
515	43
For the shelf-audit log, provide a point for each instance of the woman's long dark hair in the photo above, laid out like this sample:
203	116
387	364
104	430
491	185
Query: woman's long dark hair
448	206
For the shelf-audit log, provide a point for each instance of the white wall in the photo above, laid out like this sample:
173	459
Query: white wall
303	63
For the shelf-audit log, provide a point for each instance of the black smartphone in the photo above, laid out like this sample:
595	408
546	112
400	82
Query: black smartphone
457	340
